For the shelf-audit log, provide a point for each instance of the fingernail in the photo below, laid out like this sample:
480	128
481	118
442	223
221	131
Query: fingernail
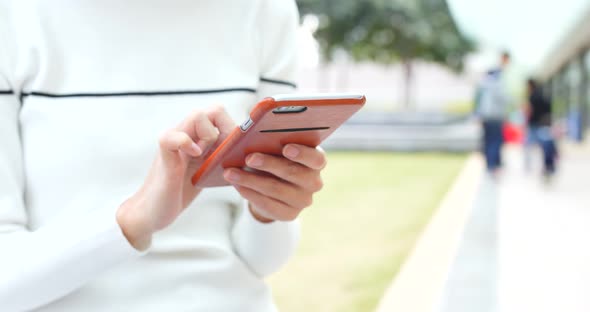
231	176
196	149
254	160
291	151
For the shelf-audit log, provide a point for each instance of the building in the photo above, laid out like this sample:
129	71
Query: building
566	74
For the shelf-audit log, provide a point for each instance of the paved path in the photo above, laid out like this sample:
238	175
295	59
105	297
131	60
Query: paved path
471	283
526	246
544	239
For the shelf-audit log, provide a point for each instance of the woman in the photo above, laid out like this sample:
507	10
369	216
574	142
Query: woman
539	126
95	215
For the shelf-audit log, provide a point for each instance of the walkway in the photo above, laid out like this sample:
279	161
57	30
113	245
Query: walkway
510	246
526	246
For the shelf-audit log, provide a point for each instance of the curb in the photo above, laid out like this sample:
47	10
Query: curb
420	283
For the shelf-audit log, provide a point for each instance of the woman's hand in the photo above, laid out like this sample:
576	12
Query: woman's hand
168	190
287	185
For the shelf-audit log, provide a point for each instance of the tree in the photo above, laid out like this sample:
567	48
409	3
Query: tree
390	31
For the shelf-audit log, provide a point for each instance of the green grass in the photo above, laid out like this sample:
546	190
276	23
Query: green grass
361	227
459	107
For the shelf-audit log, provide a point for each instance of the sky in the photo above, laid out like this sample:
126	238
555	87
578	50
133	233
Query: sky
529	29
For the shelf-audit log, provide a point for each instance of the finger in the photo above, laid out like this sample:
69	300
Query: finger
201	129
221	119
268	207
287	170
311	157
269	186
173	141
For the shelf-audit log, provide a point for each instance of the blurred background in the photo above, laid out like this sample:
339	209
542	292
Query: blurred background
410	219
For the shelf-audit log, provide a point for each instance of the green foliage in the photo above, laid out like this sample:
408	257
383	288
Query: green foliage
388	31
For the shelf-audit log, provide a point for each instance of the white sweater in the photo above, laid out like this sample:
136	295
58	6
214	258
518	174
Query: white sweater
86	87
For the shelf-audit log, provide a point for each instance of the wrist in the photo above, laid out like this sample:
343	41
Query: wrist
133	225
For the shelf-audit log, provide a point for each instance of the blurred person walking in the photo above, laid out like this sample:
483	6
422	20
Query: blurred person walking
538	111
491	107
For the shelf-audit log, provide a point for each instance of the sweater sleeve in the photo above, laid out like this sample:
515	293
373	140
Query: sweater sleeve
266	247
41	265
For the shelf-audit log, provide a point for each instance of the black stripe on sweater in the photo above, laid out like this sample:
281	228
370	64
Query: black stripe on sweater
136	93
279	82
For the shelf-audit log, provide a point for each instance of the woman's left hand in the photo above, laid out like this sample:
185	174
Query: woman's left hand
285	187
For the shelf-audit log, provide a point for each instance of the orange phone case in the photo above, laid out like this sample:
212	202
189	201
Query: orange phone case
269	132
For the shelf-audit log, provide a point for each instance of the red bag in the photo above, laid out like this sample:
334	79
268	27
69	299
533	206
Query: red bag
513	134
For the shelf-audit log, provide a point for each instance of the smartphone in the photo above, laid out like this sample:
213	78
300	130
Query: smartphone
275	122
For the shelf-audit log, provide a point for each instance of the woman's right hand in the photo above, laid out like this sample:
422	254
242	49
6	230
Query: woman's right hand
168	190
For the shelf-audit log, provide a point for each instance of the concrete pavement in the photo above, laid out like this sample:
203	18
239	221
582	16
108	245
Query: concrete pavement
544	237
524	245
471	283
